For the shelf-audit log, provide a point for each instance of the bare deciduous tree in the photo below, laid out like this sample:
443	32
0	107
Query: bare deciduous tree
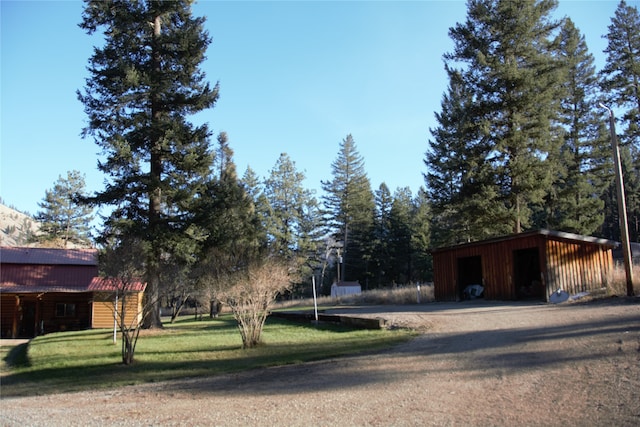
250	292
122	263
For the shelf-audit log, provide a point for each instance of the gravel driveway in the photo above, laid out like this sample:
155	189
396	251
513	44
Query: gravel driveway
476	363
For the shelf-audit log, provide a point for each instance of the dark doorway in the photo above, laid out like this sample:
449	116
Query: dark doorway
469	273
526	274
28	320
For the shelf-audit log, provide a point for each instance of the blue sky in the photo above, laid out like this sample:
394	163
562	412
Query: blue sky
295	76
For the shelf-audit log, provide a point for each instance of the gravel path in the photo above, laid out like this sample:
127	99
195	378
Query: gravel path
475	364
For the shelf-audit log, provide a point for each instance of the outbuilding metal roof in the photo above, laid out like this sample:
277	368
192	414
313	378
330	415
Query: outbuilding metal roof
557	235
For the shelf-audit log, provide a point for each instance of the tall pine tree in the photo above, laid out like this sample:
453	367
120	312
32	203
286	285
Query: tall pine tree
508	61
620	83
459	179
63	220
401	238
421	238
381	261
574	204
291	205
349	205
621	74
401	247
225	211
144	83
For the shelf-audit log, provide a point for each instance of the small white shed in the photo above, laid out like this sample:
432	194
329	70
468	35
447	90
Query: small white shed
340	289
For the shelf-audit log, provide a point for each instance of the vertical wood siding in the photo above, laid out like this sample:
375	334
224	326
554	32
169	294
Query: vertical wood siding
103	310
8	305
577	267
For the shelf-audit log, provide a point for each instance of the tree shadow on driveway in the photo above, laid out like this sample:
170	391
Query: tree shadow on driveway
495	341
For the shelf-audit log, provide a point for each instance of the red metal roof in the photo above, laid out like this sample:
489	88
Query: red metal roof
109	284
48	275
97	284
38	270
48	256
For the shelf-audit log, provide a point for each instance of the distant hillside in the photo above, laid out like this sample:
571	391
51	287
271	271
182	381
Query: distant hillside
16	227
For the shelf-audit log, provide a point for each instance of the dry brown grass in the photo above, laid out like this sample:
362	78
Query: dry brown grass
618	283
407	294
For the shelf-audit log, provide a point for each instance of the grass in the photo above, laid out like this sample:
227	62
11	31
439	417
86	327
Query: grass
618	282
77	361
399	295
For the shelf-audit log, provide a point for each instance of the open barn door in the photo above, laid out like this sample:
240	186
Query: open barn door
469	273
526	274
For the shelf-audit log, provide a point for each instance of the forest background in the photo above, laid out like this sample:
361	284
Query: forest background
519	144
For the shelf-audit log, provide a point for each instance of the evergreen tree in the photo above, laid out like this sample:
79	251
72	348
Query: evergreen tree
444	161
574	204
460	182
311	247
620	77
620	84
349	205
233	236
63	220
381	262
508	58
226	212
401	231
252	184
290	225
402	237
632	191
610	228
421	238
144	83
255	190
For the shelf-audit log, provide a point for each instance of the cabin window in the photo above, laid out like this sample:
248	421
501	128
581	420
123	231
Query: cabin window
65	310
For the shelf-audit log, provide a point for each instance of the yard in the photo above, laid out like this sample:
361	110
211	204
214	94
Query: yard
474	363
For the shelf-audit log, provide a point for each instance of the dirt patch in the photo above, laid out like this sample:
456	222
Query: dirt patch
475	363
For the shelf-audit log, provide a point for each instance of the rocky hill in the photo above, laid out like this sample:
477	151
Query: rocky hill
16	227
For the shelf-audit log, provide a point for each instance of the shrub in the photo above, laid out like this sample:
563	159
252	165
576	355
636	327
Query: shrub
251	292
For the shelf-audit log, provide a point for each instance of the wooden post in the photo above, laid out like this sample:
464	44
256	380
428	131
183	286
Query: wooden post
16	320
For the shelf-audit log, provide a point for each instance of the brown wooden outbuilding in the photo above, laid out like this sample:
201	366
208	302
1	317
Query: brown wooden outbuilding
529	265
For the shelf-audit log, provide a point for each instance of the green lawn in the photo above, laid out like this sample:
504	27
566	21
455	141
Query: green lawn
74	361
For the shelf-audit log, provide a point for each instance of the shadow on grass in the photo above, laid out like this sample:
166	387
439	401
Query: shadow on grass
113	375
285	344
17	357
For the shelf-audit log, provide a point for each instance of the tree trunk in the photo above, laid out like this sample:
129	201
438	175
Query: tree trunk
152	294
177	308
129	340
215	307
152	300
